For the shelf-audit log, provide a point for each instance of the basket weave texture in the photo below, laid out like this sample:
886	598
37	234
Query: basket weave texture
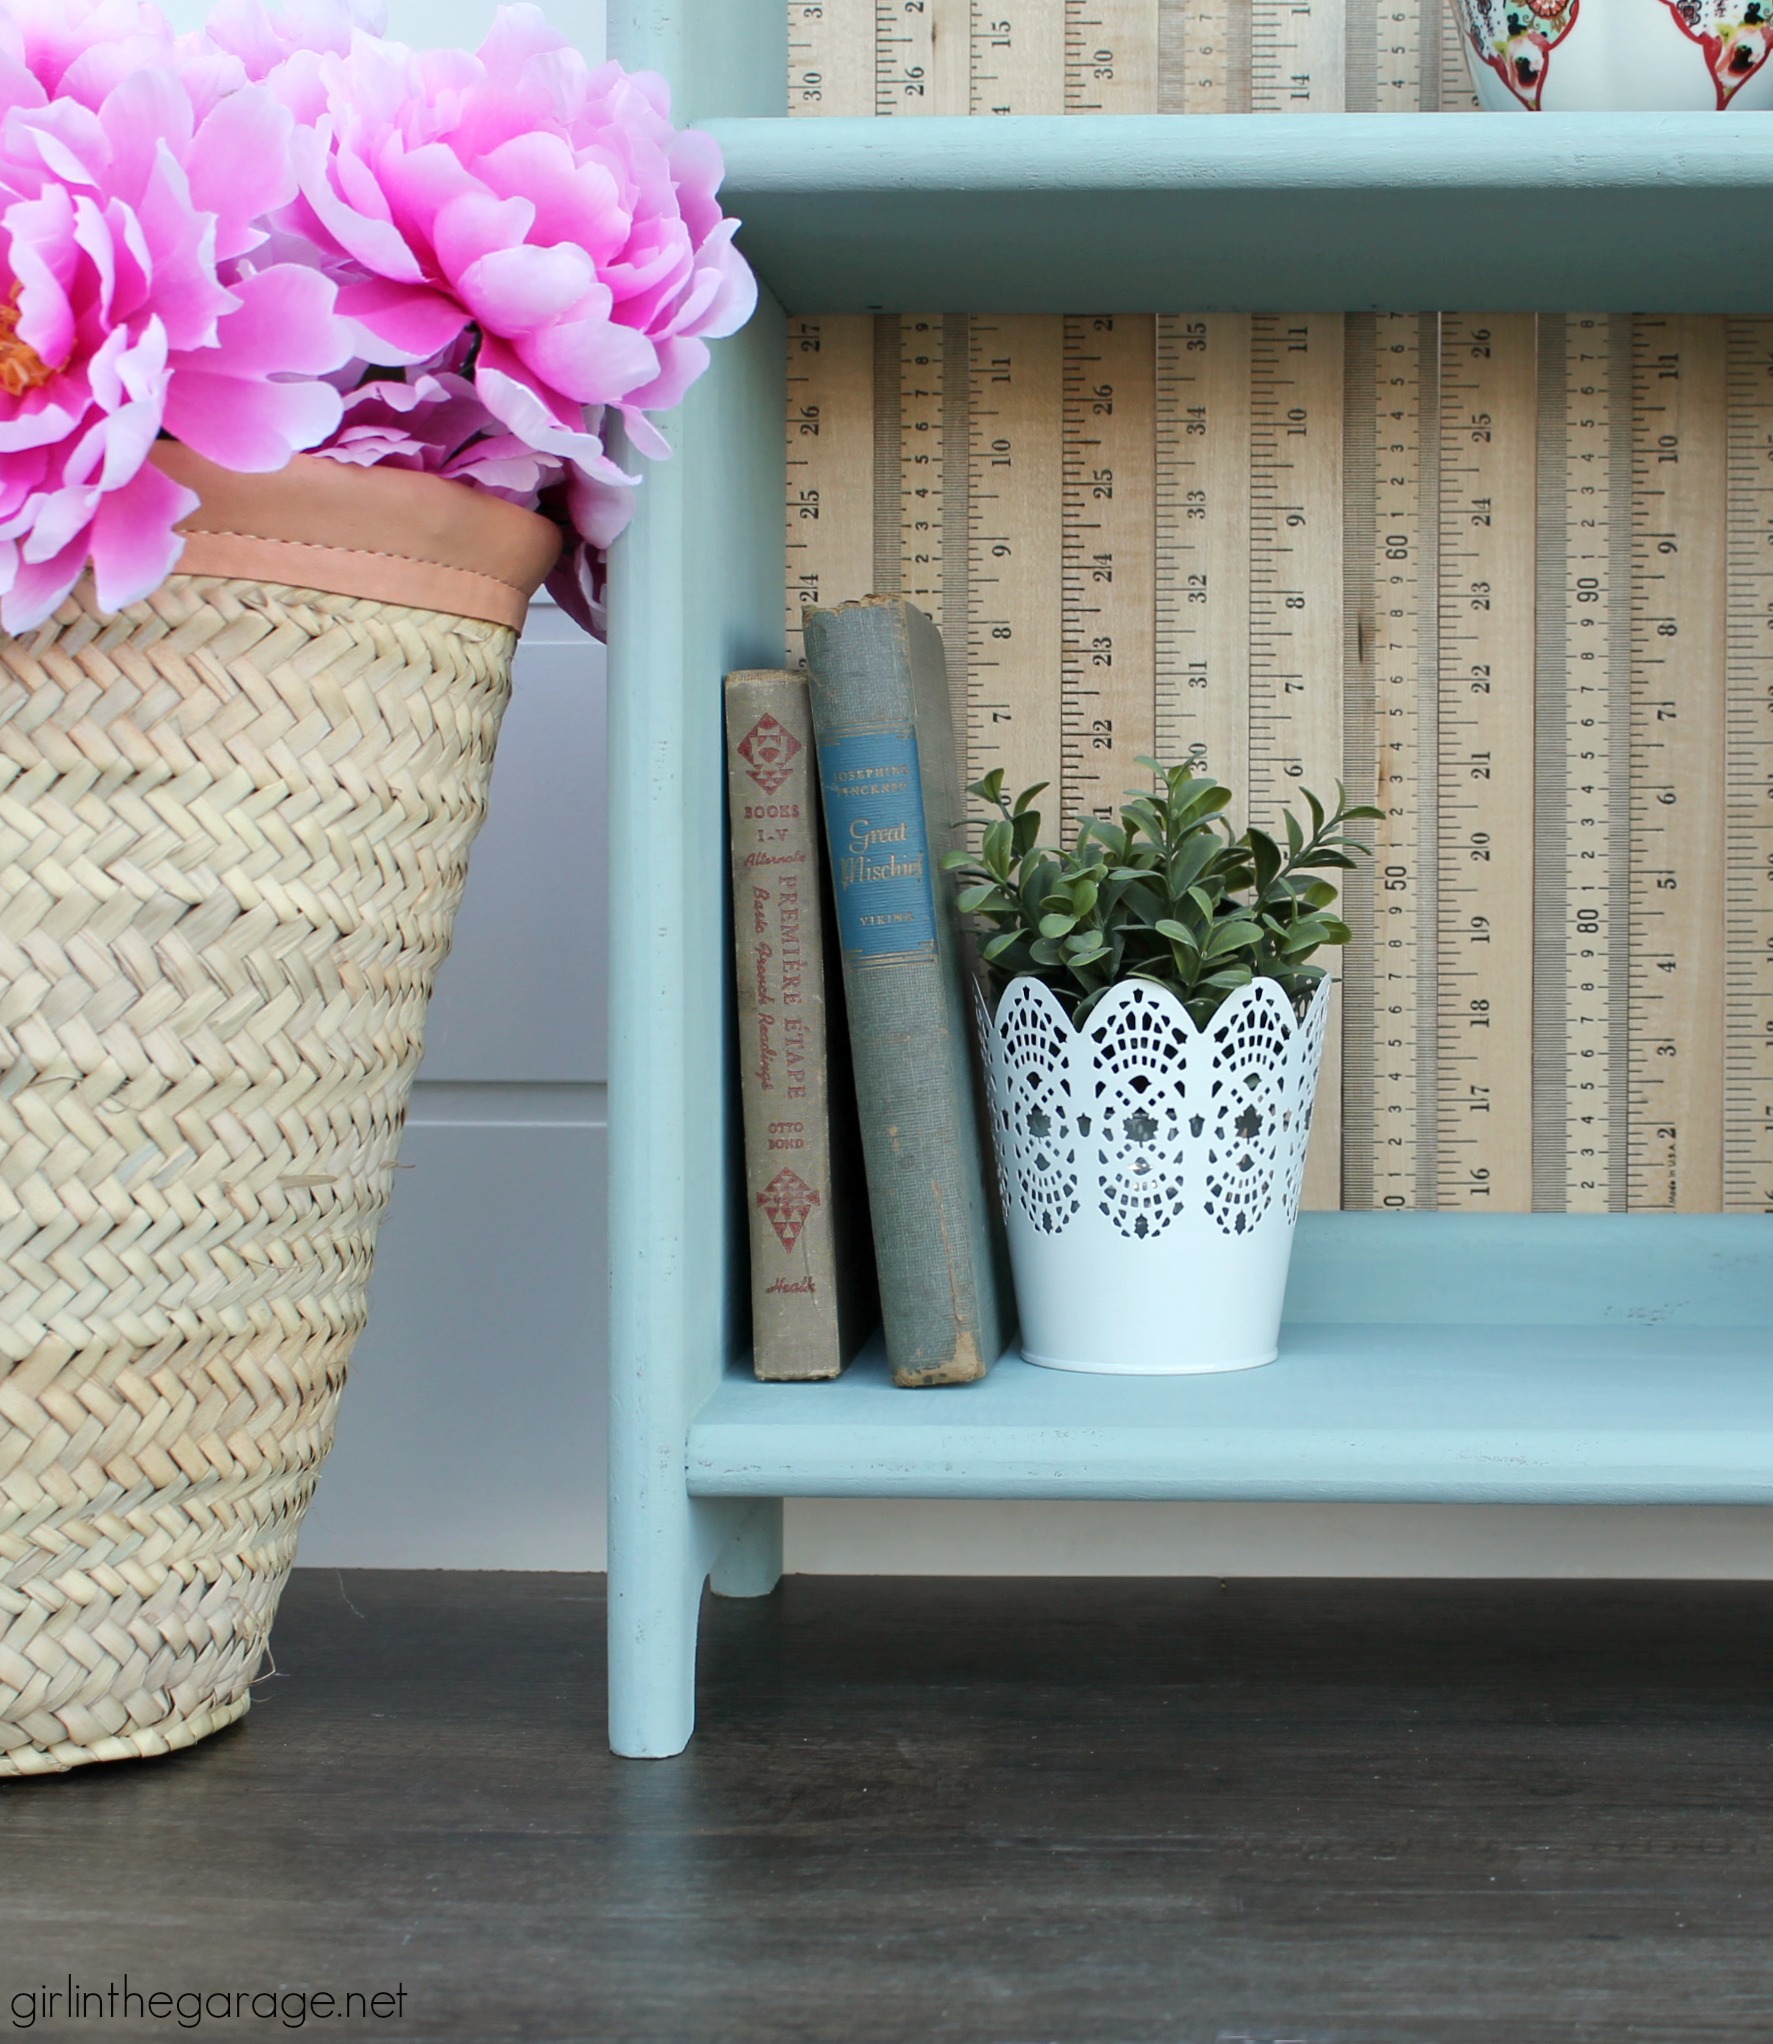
234	827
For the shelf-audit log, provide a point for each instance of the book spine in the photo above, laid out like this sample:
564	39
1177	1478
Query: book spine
785	1076
885	769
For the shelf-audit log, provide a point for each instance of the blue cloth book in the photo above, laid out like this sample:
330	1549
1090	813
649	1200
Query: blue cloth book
892	805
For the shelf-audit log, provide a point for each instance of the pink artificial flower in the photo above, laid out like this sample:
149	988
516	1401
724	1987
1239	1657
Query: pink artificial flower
539	225
130	306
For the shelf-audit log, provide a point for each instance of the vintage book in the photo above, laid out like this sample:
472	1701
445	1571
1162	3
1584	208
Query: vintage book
812	1290
891	787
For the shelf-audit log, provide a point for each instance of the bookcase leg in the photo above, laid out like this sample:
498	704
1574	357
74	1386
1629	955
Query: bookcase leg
750	1564
657	1569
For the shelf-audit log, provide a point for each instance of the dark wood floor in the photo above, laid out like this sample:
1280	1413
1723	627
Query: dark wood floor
993	1812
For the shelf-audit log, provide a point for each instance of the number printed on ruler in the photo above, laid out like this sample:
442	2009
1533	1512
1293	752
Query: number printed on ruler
1594	780
921	56
1485	814
830	57
830	500
1018	53
922	477
1297	56
1014	513
1203	545
1748	900
1108	705
1397	958
1296	646
1111	56
1677	765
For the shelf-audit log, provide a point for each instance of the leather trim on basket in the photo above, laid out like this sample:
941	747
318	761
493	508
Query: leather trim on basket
327	525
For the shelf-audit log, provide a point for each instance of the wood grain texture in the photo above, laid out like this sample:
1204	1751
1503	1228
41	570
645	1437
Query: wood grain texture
1678	719
1484	960
830	468
1108	697
1404	1813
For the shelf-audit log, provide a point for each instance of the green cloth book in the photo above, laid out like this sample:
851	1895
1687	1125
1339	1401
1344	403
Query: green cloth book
892	804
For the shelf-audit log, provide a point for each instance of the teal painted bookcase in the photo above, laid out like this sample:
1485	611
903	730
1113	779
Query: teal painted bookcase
1539	1358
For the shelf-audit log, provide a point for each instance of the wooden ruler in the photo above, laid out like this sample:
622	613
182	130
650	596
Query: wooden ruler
1203	544
1298	56
921	465
1484	808
1014	546
831	56
1018	52
1108	702
921	56
1123	56
1296	615
1392	539
1748	897
1677	768
1111	56
1581	815
1204	57
830	496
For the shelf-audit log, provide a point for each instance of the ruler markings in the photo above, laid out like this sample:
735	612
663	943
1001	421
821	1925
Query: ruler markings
1485	767
1111	56
1581	860
1014	544
1360	742
1204	57
1296	636
1391	545
830	509
1298	56
1748	900
830	57
1203	544
1018	57
1678	614
921	463
921	56
1108	617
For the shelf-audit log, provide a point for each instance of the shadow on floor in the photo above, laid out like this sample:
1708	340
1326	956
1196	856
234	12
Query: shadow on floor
995	1812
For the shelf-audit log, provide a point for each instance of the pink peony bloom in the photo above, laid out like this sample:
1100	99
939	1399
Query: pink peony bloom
131	306
540	225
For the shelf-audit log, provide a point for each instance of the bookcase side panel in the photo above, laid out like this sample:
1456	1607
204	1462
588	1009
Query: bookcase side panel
695	589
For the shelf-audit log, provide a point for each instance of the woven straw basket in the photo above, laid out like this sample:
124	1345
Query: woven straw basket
234	828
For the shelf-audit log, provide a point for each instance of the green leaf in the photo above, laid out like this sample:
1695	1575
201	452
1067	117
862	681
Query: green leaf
1265	856
1057	926
1027	795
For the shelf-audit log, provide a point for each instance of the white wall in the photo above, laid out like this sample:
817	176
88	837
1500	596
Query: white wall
472	1433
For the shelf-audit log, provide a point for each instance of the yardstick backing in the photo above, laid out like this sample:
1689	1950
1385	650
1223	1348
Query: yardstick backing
1510	578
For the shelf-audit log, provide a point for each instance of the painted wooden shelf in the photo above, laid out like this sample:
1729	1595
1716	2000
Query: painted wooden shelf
1533	1359
1257	212
1431	1356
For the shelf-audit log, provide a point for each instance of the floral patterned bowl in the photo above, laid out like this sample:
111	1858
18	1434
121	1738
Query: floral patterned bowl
1598	56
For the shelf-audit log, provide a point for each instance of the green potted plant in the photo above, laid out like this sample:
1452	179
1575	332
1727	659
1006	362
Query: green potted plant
1152	1041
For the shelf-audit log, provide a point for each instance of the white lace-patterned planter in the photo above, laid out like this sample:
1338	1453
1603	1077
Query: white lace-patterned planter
1150	1172
1617	56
